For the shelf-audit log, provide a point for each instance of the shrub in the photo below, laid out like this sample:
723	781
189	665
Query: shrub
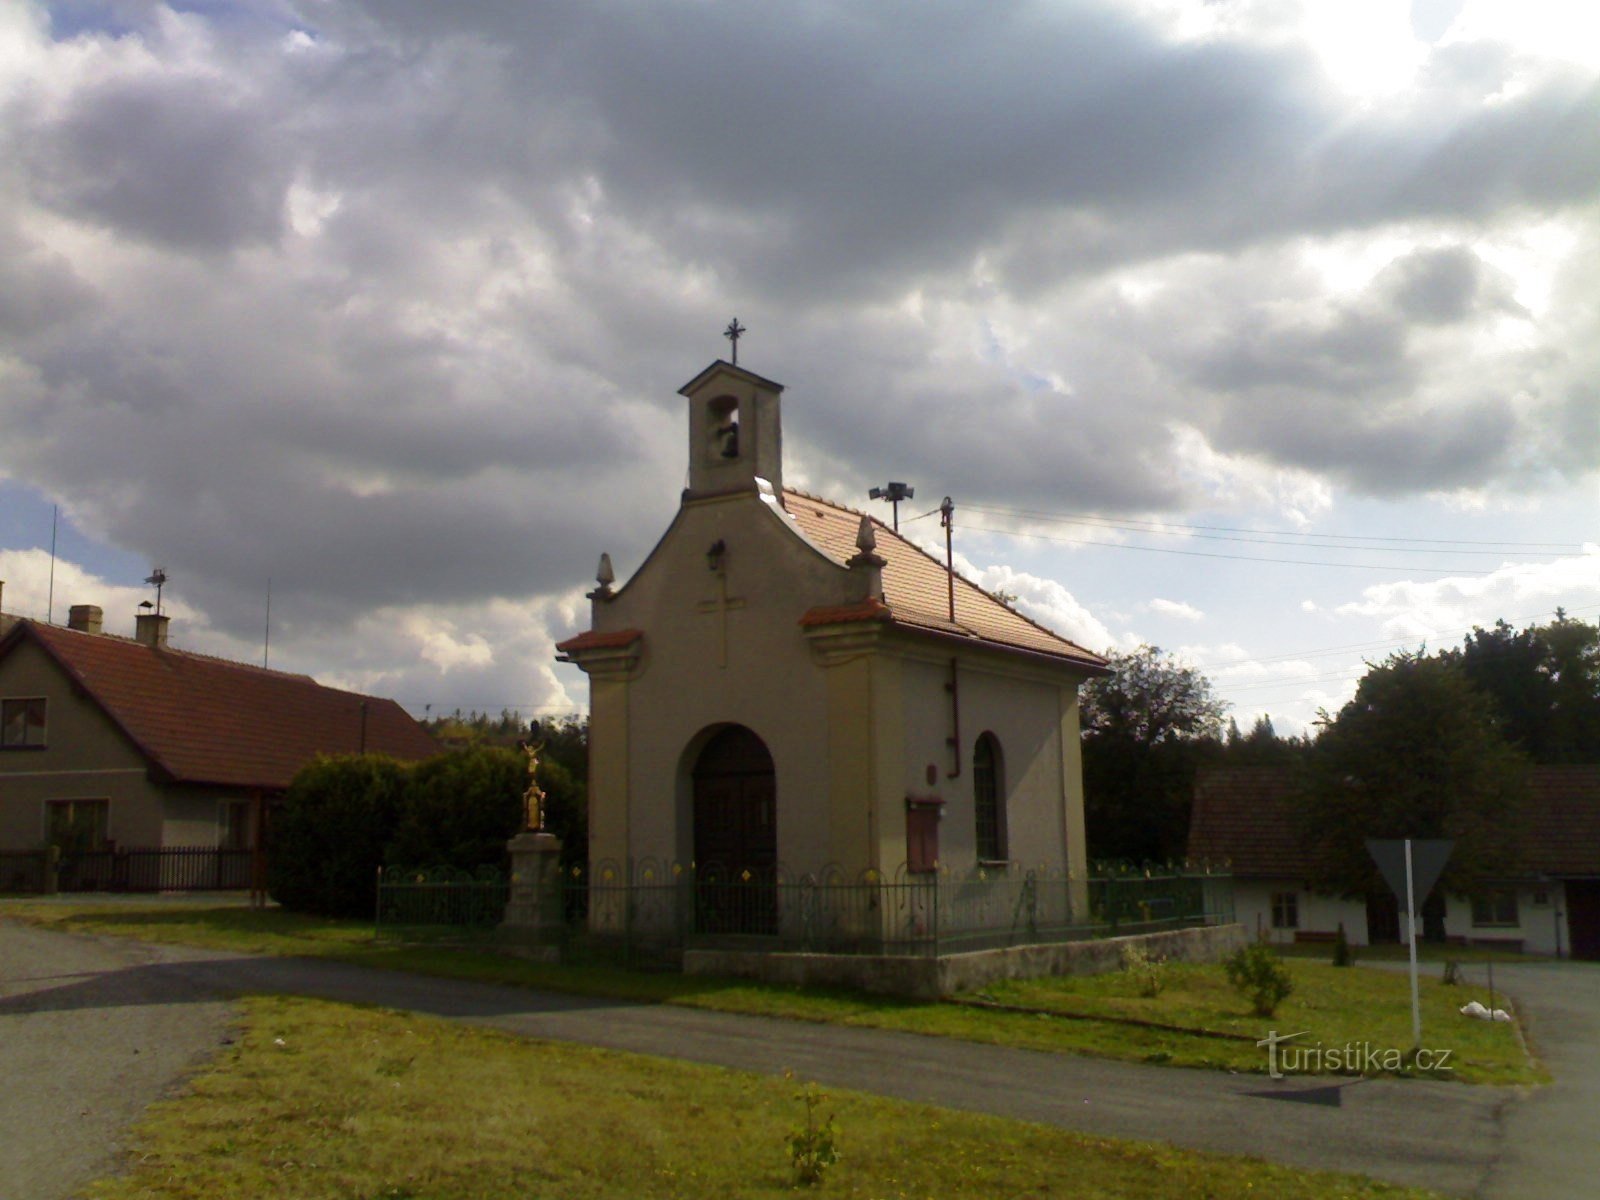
328	836
1343	955
460	809
812	1148
1148	972
1260	976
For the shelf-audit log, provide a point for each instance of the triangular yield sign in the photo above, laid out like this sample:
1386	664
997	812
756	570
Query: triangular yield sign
1428	857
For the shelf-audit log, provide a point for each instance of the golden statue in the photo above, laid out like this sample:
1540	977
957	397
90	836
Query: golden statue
533	798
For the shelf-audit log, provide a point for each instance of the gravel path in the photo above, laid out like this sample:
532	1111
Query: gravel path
89	1036
73	1010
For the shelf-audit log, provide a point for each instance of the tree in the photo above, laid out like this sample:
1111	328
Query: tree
1150	698
1545	683
1146	728
1417	753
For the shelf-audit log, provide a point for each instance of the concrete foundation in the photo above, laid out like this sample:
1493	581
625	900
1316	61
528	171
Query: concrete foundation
929	978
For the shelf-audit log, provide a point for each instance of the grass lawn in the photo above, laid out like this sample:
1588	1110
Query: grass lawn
319	1100
1336	1006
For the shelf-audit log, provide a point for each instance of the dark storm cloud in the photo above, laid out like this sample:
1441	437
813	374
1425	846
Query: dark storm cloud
184	160
390	301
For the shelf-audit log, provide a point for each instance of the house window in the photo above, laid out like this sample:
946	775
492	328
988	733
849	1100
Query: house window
988	796
22	723
235	825
77	825
1285	910
1496	906
922	834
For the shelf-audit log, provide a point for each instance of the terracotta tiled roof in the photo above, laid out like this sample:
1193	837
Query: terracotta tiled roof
1561	821
591	639
206	720
1247	815
844	614
916	587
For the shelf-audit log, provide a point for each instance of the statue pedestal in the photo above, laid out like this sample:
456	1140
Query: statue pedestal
533	912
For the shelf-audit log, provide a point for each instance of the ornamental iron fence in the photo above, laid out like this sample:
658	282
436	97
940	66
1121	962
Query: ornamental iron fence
650	912
647	913
127	869
418	897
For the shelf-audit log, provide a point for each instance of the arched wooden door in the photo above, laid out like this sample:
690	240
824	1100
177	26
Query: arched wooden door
735	835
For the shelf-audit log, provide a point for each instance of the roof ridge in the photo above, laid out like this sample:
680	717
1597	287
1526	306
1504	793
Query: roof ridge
982	591
124	640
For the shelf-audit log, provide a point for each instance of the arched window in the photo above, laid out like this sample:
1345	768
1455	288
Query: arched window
988	798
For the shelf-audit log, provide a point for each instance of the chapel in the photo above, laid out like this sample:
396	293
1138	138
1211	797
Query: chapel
788	686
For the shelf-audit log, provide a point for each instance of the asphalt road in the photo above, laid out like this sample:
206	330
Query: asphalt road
72	1007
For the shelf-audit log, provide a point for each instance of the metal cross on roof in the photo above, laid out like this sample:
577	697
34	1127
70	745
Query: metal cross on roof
733	333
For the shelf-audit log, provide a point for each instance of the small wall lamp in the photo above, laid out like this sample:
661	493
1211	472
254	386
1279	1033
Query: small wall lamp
716	556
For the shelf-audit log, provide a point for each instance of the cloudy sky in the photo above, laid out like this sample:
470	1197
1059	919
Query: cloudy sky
1267	332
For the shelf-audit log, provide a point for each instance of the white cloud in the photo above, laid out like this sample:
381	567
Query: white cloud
1517	592
1176	609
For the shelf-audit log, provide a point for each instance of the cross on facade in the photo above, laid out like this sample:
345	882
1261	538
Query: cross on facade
733	333
722	605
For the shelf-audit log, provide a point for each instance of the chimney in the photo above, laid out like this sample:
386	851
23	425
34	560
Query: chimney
151	629
85	618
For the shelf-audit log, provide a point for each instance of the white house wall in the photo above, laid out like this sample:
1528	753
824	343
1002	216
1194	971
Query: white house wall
1536	928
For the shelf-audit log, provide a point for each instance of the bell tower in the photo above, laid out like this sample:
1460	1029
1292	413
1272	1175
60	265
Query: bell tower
735	431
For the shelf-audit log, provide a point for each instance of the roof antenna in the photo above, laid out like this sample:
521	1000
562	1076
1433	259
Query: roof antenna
158	579
266	636
947	518
894	493
50	605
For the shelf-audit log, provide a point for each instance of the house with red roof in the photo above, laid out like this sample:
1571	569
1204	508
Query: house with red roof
787	686
131	742
1247	817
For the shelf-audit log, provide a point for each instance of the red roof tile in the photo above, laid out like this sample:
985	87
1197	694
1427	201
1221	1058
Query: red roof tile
916	585
1561	821
206	720
591	639
1247	815
841	614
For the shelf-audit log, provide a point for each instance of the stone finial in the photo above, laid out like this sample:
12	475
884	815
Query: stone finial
866	540
866	564
604	577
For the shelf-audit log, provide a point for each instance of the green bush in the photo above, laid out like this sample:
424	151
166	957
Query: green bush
1343	955
328	836
343	818
1260	976
460	809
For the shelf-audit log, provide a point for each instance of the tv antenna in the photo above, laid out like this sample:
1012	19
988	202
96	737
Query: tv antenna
893	493
158	580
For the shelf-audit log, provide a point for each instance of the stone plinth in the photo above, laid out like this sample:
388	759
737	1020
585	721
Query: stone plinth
534	908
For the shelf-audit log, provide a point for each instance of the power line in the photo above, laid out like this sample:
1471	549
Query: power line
1141	525
1287	562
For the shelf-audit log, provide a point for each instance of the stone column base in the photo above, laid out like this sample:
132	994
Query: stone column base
534	908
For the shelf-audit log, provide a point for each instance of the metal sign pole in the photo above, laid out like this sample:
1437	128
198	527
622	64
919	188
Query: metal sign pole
1411	937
